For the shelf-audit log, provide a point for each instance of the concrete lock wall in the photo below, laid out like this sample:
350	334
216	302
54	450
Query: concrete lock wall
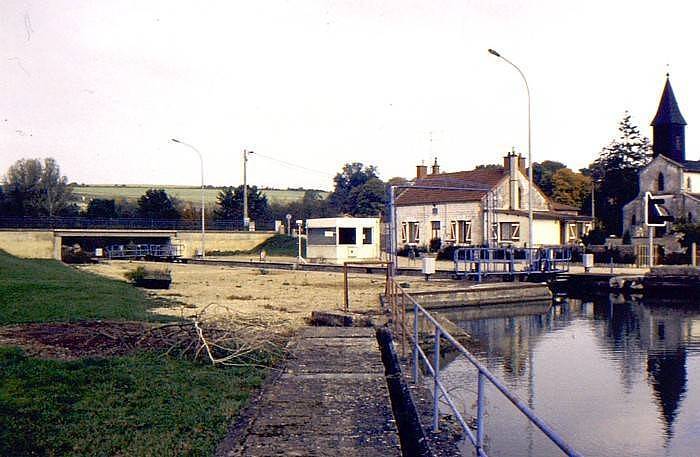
29	244
220	241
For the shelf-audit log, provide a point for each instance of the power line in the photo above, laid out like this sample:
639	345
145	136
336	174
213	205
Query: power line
290	164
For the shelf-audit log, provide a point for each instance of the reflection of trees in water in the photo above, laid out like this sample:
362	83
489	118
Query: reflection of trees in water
668	379
630	333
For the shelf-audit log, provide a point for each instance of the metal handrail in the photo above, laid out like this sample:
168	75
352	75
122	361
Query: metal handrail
484	374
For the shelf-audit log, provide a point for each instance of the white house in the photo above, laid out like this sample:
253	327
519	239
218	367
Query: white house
499	201
341	239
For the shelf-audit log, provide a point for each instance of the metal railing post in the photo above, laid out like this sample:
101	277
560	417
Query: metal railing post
415	343
480	414
403	325
436	378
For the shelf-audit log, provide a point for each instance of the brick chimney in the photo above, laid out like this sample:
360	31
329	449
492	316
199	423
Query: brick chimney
510	162
522	164
436	167
421	171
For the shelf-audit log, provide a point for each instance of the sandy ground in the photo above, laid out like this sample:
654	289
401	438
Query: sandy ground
283	298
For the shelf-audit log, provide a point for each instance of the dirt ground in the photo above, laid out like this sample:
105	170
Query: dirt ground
282	298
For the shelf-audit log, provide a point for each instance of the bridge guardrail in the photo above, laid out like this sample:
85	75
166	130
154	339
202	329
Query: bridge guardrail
399	299
123	223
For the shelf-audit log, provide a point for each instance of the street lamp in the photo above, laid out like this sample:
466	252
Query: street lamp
529	147
201	164
246	222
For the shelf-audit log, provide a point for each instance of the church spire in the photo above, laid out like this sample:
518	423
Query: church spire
669	126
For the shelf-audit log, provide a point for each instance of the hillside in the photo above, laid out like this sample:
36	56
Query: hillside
184	193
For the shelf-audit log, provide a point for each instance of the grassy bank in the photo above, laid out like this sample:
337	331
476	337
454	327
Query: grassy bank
278	245
142	404
47	290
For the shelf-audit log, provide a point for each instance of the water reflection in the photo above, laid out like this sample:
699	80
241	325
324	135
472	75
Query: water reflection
616	376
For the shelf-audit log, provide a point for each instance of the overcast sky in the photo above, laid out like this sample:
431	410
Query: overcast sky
103	85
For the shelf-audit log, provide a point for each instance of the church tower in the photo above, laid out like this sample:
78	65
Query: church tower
669	127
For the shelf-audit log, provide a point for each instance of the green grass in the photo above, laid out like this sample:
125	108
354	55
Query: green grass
141	404
47	290
278	245
184	193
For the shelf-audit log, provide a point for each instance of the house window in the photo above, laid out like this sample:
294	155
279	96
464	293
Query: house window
435	210
510	231
367	235
688	186
690	216
464	232
461	232
661	182
347	235
434	230
634	219
520	198
410	232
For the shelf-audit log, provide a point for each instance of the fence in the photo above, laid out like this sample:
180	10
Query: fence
398	300
124	223
480	262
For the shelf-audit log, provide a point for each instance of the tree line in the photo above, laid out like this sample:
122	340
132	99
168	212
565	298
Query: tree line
32	187
36	188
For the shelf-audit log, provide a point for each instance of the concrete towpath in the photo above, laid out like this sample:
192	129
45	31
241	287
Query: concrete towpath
330	400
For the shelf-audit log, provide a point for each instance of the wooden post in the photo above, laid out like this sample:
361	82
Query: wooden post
694	254
345	287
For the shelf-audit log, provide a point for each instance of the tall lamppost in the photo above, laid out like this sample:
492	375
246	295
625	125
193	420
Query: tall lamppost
246	222
201	165
529	148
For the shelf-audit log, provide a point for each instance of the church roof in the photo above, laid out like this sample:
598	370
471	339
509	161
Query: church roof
668	112
692	165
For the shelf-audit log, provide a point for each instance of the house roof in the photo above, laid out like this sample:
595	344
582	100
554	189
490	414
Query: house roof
556	206
668	112
481	179
546	215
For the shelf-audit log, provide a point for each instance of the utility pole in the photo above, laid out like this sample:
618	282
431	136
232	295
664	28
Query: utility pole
593	202
246	222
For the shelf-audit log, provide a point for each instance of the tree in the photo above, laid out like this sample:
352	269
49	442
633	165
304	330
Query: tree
368	199
230	204
311	205
489	166
35	189
570	188
615	173
353	175
157	204
542	175
101	208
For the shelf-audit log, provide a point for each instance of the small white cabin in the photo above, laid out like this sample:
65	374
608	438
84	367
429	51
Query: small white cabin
343	239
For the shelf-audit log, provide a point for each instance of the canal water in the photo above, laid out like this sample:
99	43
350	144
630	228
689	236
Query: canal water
614	376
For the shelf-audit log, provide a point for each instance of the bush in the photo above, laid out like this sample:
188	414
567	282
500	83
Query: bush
136	275
435	244
595	236
404	250
447	253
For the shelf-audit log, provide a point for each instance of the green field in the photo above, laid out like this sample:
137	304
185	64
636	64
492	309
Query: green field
184	193
142	403
49	291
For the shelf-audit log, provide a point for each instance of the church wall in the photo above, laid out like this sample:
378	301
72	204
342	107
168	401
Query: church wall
694	182
648	177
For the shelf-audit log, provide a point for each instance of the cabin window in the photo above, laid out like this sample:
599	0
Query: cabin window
510	231
347	235
661	183
367	235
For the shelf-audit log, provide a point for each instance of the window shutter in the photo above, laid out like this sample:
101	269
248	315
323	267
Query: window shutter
403	232
467	232
515	231
453	230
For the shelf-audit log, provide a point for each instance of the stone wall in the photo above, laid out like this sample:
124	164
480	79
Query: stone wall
29	244
220	241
